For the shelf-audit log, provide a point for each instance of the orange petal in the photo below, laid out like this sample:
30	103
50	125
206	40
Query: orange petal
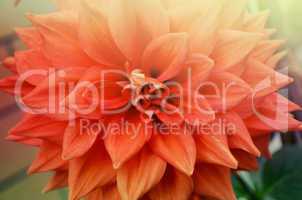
10	64
111	192
174	186
95	36
31	60
59	180
8	85
273	61
198	66
40	98
77	141
131	20
246	161
49	158
95	195
184	13
277	102
232	12
123	145
92	170
257	22
139	175
213	181
153	26
59	31
267	120
213	148
38	126
232	47
265	50
177	148
199	113
263	79
240	137
262	143
31	37
203	33
24	140
225	91
164	56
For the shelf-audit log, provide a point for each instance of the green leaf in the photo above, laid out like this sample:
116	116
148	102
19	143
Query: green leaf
63	193
282	175
13	179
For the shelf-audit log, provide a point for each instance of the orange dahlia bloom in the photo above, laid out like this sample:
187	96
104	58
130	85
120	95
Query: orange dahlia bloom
148	99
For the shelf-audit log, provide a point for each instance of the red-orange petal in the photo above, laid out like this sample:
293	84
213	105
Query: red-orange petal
49	158
77	140
213	181
59	180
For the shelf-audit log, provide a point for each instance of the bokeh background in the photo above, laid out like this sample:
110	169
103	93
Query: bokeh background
286	17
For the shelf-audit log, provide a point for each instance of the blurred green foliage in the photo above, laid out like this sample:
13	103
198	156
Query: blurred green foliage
286	17
278	179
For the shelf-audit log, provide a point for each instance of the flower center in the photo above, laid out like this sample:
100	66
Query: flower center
147	93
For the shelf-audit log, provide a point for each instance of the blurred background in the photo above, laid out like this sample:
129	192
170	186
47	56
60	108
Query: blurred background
286	17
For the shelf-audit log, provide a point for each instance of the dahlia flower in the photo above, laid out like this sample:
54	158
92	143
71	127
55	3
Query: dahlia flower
148	99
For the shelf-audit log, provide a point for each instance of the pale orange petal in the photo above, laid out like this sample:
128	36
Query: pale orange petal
59	31
95	36
164	57
232	47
